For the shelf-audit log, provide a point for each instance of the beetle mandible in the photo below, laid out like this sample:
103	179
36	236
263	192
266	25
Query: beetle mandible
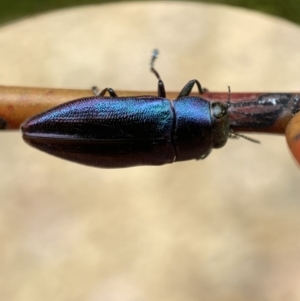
115	132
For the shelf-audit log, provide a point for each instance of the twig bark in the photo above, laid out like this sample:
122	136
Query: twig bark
249	112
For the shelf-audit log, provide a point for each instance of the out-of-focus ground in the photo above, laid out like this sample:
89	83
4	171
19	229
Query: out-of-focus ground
226	228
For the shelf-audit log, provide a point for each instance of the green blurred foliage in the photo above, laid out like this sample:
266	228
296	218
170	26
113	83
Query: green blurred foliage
288	9
15	9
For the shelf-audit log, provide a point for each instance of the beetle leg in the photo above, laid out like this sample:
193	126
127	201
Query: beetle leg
161	89
95	90
235	135
161	86
110	91
189	86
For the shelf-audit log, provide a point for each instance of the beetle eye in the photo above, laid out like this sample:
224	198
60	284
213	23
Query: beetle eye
219	110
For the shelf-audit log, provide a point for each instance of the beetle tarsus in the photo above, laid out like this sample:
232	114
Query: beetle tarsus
98	92
154	56
95	90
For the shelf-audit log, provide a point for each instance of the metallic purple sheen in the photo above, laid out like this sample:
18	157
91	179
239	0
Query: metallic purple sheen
123	131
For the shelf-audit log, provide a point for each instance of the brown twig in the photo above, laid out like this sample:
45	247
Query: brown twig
249	112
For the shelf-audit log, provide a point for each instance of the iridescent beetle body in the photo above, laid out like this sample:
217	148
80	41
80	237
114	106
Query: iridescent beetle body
114	132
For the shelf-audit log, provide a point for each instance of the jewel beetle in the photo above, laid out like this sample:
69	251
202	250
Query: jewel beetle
115	132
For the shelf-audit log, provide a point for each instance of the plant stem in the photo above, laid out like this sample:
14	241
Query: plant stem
248	112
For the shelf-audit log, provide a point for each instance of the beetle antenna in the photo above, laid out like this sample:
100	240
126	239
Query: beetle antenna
153	58
235	135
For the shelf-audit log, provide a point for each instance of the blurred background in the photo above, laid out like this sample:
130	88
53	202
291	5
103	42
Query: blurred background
226	228
288	9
